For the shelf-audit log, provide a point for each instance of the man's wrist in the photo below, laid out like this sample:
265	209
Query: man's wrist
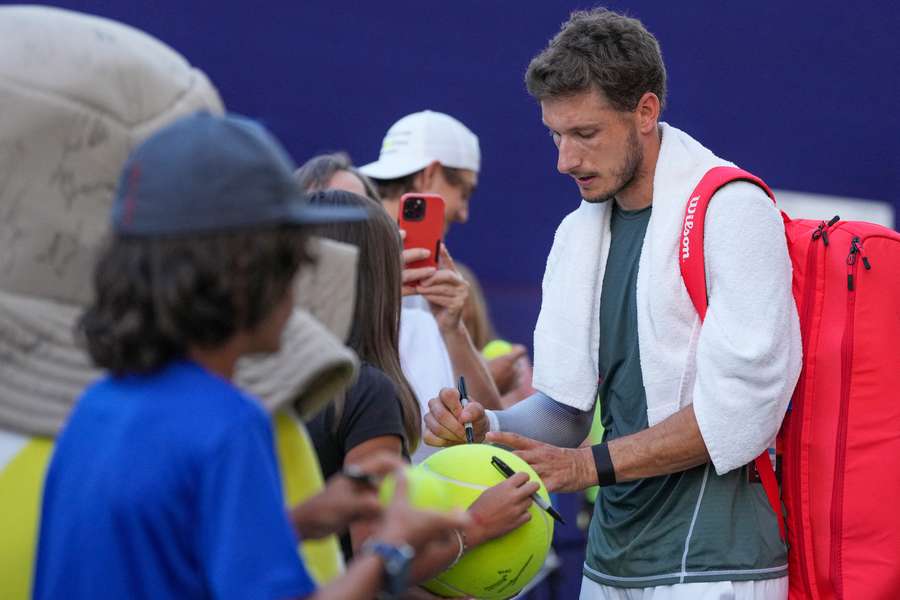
603	467
587	471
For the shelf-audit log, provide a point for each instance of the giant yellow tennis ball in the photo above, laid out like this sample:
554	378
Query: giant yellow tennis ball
425	489
499	568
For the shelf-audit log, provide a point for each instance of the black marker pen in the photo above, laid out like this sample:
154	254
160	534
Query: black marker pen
464	400
507	472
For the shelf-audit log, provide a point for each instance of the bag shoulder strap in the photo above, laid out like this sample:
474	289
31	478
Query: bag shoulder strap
693	272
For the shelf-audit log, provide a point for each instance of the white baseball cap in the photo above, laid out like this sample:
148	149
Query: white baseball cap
417	140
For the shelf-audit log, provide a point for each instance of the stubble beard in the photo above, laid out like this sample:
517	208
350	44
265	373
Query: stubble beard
625	174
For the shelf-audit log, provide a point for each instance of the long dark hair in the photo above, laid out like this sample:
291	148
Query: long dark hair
375	334
156	297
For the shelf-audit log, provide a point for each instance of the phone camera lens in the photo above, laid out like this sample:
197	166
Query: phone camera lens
414	209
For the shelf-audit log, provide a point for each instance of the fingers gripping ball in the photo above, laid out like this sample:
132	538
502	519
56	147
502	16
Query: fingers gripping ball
501	567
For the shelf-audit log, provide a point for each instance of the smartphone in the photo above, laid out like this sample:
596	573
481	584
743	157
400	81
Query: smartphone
422	217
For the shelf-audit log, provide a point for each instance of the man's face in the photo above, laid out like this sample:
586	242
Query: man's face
598	145
456	196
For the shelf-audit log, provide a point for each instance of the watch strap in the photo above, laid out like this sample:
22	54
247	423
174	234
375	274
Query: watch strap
396	560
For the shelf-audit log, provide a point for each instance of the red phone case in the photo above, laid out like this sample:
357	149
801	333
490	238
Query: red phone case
425	232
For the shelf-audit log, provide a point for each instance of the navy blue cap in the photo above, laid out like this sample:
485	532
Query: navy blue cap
207	173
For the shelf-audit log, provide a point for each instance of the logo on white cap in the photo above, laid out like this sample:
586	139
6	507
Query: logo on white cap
417	140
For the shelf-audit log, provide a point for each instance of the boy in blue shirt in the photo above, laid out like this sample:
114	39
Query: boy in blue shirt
164	482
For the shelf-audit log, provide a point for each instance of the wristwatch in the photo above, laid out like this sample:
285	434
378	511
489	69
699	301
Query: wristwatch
397	560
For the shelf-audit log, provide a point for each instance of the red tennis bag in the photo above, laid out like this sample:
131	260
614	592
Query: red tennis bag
839	443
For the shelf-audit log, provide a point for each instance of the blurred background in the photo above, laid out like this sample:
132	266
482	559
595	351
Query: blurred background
802	94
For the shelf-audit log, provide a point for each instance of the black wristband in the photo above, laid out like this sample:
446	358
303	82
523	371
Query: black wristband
606	474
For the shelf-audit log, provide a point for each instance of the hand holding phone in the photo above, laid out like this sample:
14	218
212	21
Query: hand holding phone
410	278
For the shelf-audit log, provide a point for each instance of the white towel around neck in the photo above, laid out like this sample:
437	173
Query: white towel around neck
567	334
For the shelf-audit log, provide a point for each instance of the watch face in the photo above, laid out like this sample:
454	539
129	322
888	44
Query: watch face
397	561
396	558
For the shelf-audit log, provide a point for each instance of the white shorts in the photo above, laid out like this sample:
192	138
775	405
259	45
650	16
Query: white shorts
763	589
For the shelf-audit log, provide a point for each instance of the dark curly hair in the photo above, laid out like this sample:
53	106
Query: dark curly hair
156	297
602	49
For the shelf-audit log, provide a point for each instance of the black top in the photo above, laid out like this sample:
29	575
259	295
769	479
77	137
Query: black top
371	409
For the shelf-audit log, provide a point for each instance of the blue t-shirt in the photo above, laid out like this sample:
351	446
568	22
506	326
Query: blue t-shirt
166	486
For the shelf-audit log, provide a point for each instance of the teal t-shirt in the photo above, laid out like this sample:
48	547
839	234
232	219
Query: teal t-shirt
685	527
